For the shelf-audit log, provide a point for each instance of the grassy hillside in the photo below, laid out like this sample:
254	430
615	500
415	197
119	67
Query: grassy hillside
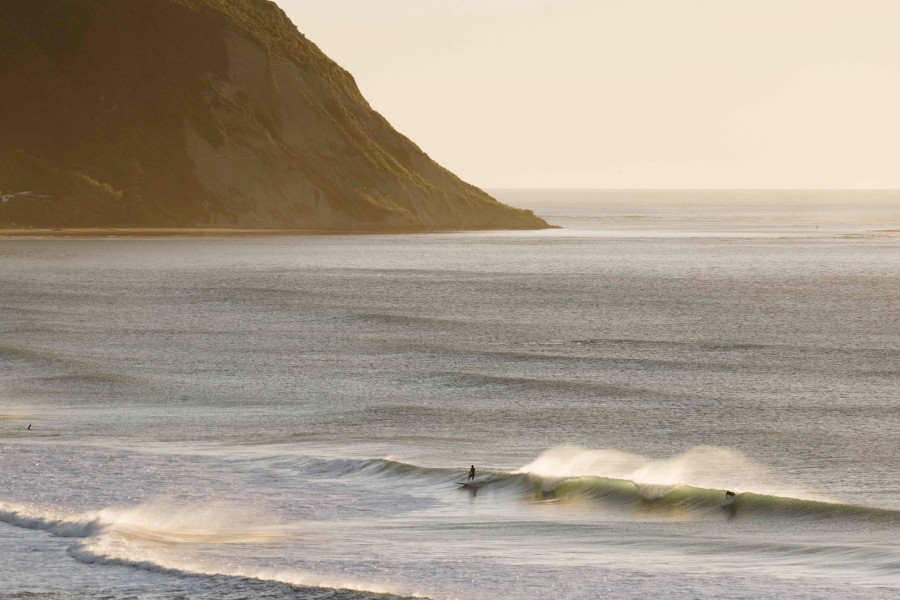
96	95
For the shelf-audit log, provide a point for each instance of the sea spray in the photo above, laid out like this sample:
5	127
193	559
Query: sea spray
711	467
182	541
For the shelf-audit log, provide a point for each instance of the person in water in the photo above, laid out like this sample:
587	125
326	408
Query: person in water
29	427
729	494
471	473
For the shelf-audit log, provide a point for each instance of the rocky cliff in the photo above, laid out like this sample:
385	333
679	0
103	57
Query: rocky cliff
204	113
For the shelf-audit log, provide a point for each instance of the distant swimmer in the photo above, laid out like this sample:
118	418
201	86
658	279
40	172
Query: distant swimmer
29	427
471	473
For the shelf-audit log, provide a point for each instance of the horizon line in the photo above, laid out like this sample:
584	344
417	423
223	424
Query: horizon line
691	189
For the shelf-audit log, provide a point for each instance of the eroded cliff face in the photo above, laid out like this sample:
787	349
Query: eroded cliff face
248	166
208	113
292	147
274	158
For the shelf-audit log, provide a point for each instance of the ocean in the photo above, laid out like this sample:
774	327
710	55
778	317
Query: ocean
292	416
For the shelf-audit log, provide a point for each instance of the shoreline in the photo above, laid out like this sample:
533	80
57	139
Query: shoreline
157	232
149	232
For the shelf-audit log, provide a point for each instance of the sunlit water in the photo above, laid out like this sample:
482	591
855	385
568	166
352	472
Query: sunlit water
284	417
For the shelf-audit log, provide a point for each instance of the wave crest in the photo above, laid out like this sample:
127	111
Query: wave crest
712	467
162	538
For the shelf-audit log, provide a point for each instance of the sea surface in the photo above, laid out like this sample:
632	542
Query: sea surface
291	416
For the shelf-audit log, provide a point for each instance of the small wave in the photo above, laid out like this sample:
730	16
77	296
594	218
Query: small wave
22	353
392	319
106	551
700	344
9	417
412	474
720	346
89	378
591	388
56	522
62	369
152	522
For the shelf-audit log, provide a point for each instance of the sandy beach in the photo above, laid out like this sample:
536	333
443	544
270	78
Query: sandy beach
158	232
116	232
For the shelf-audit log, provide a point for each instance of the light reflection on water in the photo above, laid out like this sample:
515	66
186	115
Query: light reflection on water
267	373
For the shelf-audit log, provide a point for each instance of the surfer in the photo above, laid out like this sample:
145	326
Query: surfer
29	427
729	494
471	473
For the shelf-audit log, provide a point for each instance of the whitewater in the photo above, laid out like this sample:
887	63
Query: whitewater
290	417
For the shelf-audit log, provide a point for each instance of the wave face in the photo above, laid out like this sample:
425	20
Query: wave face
687	502
688	486
703	466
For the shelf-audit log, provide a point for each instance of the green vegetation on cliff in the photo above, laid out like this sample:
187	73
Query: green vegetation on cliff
204	113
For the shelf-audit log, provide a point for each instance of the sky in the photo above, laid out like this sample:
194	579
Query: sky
630	93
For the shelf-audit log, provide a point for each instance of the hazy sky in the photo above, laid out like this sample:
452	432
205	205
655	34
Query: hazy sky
630	93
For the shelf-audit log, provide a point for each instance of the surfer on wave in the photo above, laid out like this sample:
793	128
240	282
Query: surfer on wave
471	473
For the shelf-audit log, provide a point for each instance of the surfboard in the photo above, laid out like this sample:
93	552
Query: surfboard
469	484
729	500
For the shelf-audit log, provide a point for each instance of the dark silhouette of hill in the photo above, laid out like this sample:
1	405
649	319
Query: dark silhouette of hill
204	113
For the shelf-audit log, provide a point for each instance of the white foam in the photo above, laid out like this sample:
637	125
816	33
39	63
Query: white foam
166	539
57	522
713	467
109	550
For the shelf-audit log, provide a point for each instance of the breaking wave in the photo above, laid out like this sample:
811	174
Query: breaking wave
195	541
690	485
163	539
692	502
